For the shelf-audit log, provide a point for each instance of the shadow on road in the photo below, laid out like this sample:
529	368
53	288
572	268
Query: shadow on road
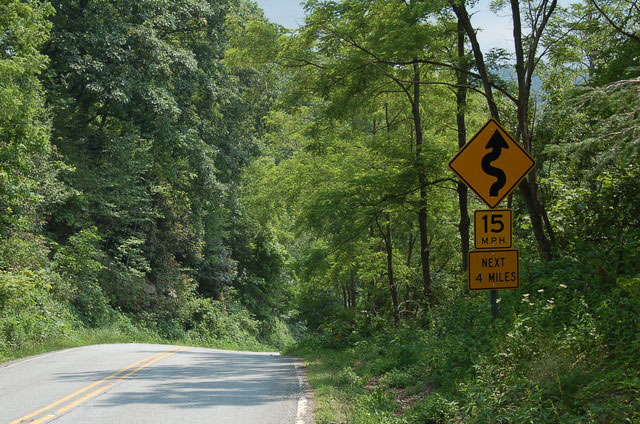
195	379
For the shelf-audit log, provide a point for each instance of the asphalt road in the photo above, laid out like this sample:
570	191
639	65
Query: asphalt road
144	383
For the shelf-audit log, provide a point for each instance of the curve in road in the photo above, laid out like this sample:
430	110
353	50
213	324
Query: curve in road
145	383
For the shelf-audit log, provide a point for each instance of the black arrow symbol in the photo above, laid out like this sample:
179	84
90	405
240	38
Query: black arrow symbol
497	143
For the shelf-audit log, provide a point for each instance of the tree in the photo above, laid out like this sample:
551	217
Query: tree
359	51
537	14
157	128
27	161
461	103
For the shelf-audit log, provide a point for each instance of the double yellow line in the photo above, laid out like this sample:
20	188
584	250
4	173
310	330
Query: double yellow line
101	387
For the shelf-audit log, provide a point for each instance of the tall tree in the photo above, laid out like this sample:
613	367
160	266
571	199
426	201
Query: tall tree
153	125
27	166
527	56
360	50
461	103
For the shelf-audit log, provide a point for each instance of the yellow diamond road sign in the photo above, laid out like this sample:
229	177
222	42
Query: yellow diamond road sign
492	163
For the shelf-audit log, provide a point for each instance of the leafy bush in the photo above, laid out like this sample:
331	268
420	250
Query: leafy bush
29	312
434	409
275	332
80	264
561	351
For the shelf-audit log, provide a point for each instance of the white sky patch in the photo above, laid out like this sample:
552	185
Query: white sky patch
494	30
288	13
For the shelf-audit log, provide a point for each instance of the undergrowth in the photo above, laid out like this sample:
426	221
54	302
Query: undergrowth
47	305
565	349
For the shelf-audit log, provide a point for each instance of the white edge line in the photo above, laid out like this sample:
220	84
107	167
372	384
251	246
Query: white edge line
302	410
33	358
302	401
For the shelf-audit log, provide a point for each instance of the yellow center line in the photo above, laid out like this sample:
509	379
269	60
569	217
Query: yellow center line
107	386
90	386
84	389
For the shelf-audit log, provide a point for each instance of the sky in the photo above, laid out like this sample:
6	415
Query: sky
496	30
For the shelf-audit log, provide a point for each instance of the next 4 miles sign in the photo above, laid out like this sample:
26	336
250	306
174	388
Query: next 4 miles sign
494	269
492	164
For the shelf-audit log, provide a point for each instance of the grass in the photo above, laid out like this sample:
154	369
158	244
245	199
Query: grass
123	331
340	394
332	394
84	337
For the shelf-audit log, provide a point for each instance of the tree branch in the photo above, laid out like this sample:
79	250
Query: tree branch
381	61
613	24
304	62
388	197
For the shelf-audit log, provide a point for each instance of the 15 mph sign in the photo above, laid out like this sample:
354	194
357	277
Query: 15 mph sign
493	229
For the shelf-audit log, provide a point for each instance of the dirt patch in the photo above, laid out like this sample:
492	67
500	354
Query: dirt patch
372	384
401	396
404	400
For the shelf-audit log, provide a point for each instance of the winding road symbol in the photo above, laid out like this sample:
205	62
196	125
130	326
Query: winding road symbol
492	163
496	143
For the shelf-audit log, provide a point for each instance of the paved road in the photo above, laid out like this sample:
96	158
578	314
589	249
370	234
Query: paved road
143	383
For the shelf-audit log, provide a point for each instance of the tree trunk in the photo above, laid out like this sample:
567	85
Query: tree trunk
387	236
353	290
524	71
407	293
392	281
422	181
463	17
461	102
345	301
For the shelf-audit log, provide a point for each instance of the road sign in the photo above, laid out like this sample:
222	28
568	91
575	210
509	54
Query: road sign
492	163
493	229
494	269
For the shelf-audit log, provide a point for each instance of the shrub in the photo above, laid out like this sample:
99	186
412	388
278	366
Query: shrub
80	264
28	311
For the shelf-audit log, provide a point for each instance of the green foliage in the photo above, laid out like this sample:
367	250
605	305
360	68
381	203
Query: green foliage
27	171
80	266
143	218
189	172
435	409
607	35
24	251
124	83
549	358
29	312
157	129
229	324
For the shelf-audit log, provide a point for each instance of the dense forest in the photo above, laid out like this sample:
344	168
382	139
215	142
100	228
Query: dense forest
189	171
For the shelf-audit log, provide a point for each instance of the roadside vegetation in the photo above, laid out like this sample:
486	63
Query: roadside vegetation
123	134
390	92
190	173
556	355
